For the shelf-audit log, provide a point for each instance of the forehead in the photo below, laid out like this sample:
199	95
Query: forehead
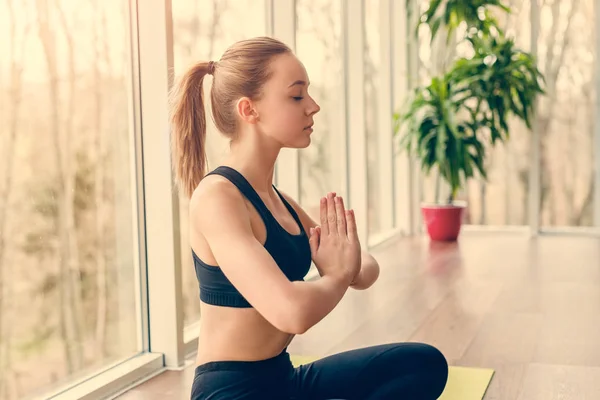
287	69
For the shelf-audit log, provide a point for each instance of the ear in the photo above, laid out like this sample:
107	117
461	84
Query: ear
246	111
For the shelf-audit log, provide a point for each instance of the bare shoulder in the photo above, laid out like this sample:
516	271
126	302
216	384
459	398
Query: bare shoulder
217	199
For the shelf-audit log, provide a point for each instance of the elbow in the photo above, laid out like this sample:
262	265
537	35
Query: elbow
368	275
373	275
297	328
298	322
293	318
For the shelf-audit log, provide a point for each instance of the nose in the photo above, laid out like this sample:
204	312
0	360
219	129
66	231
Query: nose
313	108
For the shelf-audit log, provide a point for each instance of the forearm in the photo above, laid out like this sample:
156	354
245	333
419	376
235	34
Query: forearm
318	298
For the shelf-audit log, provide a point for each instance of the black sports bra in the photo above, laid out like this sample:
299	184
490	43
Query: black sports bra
290	252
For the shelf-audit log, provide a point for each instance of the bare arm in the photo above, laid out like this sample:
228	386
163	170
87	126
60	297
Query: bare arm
369	270
219	214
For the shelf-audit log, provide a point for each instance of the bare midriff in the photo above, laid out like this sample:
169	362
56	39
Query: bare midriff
242	334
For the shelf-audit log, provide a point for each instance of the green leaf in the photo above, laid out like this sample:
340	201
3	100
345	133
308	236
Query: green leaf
450	122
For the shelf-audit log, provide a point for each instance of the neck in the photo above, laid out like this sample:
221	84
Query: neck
254	157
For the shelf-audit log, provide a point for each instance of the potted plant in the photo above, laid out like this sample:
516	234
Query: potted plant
451	122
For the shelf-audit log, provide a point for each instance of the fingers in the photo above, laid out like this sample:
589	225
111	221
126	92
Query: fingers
351	226
324	226
341	217
331	215
314	240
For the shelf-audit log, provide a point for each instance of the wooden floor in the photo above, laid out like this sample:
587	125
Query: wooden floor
529	308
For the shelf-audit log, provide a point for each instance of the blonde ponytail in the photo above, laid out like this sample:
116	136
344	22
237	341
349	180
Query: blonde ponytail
188	128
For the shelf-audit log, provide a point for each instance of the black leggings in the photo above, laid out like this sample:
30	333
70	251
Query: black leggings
411	371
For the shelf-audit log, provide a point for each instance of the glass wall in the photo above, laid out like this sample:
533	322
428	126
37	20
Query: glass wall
319	46
68	303
202	31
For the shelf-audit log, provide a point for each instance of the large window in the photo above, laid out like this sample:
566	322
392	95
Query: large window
319	46
202	32
68	288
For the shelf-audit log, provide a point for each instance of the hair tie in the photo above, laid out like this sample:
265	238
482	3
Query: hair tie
211	67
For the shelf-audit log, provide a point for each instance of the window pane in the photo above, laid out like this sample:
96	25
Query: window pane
202	32
503	199
567	115
319	47
372	68
68	287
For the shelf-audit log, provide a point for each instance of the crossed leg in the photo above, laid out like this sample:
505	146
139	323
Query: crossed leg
412	371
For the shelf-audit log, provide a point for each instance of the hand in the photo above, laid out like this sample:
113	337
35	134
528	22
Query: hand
334	245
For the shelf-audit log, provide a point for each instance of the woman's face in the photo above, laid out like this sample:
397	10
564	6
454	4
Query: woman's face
285	109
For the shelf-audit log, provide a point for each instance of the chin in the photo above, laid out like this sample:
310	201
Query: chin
300	143
306	143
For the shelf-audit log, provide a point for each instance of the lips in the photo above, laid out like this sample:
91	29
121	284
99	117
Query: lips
309	126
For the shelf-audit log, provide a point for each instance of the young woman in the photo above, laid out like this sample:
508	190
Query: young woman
252	244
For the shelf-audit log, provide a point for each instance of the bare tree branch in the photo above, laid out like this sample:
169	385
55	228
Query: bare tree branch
8	387
68	260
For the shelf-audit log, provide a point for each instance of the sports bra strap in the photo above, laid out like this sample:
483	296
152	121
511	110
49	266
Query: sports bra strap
290	209
245	187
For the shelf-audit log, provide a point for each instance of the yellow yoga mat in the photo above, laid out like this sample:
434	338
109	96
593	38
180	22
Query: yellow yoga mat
464	383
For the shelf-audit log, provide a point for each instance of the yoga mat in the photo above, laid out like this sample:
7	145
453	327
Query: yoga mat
464	383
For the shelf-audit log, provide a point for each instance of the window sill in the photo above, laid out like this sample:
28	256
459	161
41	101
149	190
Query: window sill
380	238
111	382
